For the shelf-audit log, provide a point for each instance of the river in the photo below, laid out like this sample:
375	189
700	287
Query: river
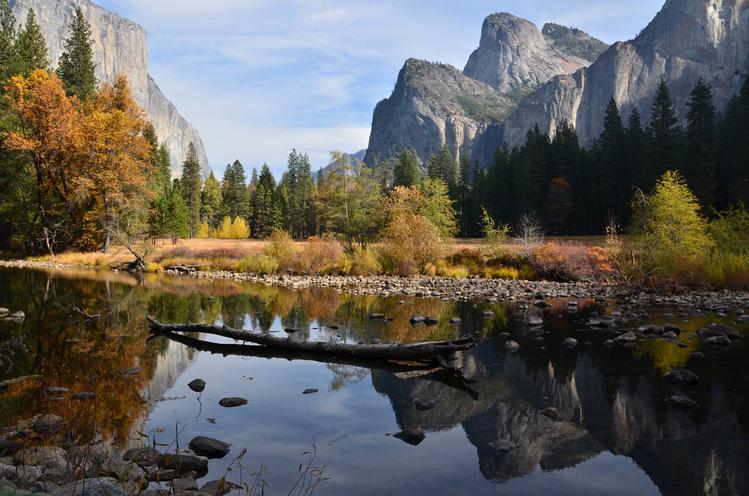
611	430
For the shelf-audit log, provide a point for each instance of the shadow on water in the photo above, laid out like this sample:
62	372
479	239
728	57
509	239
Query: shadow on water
565	421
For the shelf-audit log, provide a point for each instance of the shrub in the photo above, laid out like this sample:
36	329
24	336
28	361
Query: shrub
361	261
153	267
258	264
319	256
280	247
502	273
410	244
730	230
454	272
571	262
494	234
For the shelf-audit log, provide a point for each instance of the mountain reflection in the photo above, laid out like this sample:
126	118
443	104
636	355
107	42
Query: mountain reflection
603	400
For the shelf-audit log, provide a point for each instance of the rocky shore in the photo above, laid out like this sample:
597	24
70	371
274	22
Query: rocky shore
470	289
31	462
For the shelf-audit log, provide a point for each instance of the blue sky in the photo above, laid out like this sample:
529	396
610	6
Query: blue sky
260	77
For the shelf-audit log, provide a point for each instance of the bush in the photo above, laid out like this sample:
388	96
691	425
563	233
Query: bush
319	256
730	230
258	264
571	262
152	268
361	261
280	247
410	244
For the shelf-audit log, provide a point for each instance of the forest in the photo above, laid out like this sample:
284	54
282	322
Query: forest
81	168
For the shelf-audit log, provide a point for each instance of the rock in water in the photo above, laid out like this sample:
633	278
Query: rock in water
682	402
232	402
682	377
209	447
143	457
416	319
218	487
197	385
512	346
627	337
184	464
570	343
310	391
414	437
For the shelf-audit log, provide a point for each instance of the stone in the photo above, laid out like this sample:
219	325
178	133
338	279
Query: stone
650	329
430	321
119	47
550	412
670	335
184	484
144	457
48	424
682	402
115	467
512	346
627	337
99	486
310	391
219	487
570	343
8	447
56	390
197	385
534	320
724	330
718	340
232	402
682	377
183	464
84	396
455	320
209	447
39	455
4	312
416	319
672	328
414	437
18	316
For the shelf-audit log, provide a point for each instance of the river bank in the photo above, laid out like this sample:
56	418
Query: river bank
466	289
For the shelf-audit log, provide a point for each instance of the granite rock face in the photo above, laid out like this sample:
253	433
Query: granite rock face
688	39
119	48
433	105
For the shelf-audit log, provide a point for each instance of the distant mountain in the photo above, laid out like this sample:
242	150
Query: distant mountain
519	77
434	105
119	48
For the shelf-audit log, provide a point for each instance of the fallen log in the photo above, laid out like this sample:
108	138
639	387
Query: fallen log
450	377
410	351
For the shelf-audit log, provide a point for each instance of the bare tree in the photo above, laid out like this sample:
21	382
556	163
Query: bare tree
530	230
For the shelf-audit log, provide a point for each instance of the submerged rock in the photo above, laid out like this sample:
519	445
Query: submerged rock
184	464
218	487
232	402
414	437
682	377
682	402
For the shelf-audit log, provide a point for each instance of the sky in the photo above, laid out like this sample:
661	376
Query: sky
260	77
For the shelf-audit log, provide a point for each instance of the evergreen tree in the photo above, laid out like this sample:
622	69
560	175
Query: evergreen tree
664	136
31	49
211	202
76	67
191	189
266	208
701	144
635	151
406	172
178	221
442	166
234	191
296	191
612	177
7	42
733	153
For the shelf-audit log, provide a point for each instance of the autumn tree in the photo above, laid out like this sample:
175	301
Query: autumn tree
118	161
76	68
191	188
49	134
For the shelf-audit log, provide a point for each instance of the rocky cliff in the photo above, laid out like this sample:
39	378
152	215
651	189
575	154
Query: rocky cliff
119	48
434	105
688	39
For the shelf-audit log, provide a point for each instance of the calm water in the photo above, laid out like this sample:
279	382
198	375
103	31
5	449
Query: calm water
615	434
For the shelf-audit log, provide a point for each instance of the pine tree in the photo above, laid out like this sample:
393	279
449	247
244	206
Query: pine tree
7	42
267	214
664	136
613	176
191	189
635	151
701	144
442	166
31	49
406	172
733	153
234	191
76	67
211	202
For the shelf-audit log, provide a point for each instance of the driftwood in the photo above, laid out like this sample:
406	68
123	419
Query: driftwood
428	351
451	377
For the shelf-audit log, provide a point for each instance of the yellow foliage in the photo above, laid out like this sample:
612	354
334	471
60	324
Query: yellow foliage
204	231
236	229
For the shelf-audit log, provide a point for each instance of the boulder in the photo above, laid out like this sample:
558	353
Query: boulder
144	457
570	343
209	447
183	464
185	484
627	337
718	340
219	487
232	402
682	377
197	385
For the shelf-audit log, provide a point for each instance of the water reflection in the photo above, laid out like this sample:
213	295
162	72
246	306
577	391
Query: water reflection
610	430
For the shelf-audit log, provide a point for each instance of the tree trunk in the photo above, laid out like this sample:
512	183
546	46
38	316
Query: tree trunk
428	351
